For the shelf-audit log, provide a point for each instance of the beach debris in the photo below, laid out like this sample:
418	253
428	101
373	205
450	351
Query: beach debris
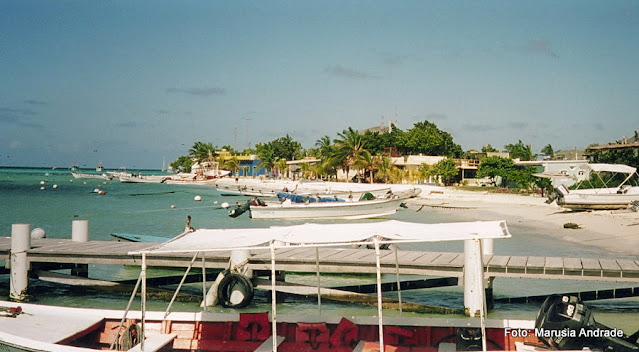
635	206
38	233
571	225
10	312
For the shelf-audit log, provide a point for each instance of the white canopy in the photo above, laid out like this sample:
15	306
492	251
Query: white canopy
612	168
312	235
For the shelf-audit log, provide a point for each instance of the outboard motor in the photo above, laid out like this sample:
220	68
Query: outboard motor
565	323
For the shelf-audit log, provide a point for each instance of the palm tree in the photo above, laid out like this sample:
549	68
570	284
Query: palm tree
281	166
232	164
386	170
201	151
365	161
324	147
348	148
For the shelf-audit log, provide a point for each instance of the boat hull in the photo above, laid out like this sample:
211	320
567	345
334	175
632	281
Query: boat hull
332	210
205	331
601	201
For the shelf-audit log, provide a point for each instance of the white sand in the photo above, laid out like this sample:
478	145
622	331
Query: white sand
615	231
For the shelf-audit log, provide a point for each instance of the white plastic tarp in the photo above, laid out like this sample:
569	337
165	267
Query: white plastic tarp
204	240
612	168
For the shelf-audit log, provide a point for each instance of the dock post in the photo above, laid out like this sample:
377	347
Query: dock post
80	233
473	278
20	244
487	249
239	258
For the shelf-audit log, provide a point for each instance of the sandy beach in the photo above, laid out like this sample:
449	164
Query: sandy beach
615	231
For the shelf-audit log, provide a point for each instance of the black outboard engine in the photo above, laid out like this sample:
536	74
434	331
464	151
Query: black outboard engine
565	323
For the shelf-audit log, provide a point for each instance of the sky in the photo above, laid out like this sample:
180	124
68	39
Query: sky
135	83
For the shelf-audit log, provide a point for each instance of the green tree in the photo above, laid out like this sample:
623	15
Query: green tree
281	167
488	149
627	156
386	170
286	148
201	151
348	148
182	163
446	169
547	150
426	138
266	154
520	151
494	166
324	147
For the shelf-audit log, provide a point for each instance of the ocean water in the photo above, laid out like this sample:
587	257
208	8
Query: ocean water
52	199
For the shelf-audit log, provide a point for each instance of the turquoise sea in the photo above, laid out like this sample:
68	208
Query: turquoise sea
51	199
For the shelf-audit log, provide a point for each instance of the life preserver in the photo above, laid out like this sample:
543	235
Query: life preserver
253	327
346	334
235	291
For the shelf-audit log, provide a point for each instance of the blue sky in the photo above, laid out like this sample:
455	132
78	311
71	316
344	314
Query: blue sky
128	83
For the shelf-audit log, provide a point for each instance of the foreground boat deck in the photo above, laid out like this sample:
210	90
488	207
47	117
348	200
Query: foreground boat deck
49	252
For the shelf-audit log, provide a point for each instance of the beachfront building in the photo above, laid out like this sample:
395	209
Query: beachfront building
560	172
249	164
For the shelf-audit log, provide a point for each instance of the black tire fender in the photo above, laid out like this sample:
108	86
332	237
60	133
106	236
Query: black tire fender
235	282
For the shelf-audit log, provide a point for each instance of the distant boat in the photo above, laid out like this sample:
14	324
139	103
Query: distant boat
77	174
143	178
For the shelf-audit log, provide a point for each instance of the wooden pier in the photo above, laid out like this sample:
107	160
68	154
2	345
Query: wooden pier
51	253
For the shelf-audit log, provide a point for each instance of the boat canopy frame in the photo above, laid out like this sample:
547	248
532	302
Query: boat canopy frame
377	234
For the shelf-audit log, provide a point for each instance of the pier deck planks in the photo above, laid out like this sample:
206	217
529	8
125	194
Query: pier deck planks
346	260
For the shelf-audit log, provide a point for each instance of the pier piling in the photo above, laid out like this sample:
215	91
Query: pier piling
80	233
20	244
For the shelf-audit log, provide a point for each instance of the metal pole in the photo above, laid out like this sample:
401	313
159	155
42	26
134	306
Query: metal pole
379	295
399	289
319	293
203	280
143	276
273	297
186	273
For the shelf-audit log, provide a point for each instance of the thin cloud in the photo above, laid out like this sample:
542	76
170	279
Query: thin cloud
481	127
541	46
18	117
341	71
517	125
391	58
198	91
35	102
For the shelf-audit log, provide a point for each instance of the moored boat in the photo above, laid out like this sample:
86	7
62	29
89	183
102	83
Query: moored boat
600	198
361	209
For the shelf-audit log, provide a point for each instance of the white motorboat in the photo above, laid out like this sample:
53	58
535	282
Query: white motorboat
144	178
363	209
102	176
619	197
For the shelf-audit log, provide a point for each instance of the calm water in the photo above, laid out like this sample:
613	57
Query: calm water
160	210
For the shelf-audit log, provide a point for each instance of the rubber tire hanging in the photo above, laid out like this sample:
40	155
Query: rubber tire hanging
235	282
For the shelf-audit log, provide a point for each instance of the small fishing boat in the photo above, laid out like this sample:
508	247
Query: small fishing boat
144	178
77	174
334	209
